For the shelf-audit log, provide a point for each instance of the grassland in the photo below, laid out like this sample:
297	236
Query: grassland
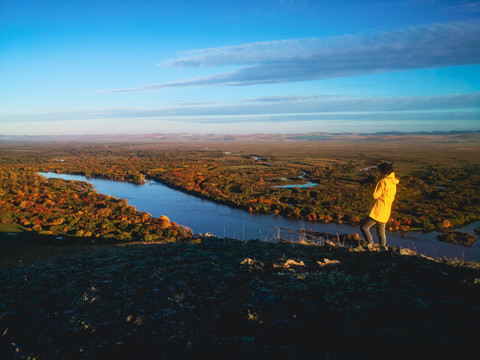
227	299
203	298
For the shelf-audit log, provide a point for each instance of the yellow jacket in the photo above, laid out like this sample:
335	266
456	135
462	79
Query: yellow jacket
384	195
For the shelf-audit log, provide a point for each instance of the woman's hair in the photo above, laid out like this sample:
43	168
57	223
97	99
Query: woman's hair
385	168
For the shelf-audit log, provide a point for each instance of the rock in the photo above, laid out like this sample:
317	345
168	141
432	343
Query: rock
403	251
357	249
290	263
373	247
328	262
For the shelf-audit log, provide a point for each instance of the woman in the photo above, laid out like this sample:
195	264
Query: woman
384	195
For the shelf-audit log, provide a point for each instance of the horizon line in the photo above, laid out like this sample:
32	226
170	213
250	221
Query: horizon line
191	135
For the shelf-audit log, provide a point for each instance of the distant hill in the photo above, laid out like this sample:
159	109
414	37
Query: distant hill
456	136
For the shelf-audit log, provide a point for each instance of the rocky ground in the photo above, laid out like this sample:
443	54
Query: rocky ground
226	299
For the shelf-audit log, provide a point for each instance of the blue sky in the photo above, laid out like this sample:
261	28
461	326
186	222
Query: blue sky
228	66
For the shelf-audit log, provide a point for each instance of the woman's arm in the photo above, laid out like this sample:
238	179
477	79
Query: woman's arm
379	189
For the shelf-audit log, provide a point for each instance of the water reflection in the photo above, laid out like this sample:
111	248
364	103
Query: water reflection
307	185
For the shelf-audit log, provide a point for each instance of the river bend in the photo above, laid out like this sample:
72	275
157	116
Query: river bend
205	216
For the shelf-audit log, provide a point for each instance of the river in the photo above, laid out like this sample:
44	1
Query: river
204	216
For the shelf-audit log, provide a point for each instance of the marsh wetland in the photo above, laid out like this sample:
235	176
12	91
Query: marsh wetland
135	283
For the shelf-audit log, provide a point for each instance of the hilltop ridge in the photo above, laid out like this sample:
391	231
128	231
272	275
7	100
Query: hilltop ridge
221	298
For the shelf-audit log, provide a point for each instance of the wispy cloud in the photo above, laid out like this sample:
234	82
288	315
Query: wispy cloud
469	7
321	103
293	107
417	47
294	98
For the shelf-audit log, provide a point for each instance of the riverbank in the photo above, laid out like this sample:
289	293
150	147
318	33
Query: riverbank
204	216
217	298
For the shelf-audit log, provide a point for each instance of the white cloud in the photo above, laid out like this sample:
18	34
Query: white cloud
290	107
417	47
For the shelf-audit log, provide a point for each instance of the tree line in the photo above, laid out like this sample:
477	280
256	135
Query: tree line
436	198
73	208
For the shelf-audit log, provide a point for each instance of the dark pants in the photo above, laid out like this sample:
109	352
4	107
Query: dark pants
365	228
